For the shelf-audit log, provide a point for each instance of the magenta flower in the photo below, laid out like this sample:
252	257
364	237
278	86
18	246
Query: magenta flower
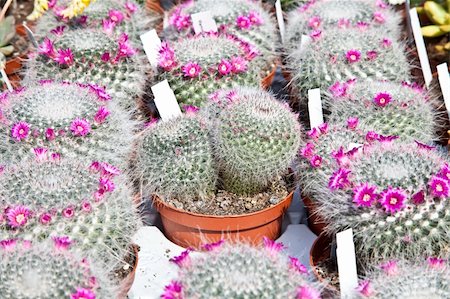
173	291
45	218
255	18
225	67
56	156
353	56
125	49
371	136
20	130
131	7
40	153
191	70
107	185
243	22
381	4
64	57
83	293
100	92
316	34
183	22
390	268
339	89
393	200
116	16
62	243
190	110
379	17
109	170
80	127
389	138
213	246
101	115
295	264
68	212
424	146
307	151
95	166
365	195
372	55
386	43
86	206
437	263
182	260
46	48
445	172
323	128
316	161
365	288
439	187
352	123
314	133
18	216
271	246
418	198
343	23
8	245
307	292
382	99
108	26
58	31
239	65
362	25
339	179
314	22
106	57
50	134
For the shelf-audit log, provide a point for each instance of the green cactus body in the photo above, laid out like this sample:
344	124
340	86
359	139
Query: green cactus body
90	205
388	108
256	138
74	120
241	271
175	160
344	54
91	56
394	196
197	66
34	271
314	16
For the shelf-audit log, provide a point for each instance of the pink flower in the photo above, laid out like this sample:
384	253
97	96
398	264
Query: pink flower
445	172
365	288
316	34
437	263
339	89
362	25
191	70
86	206
295	264
95	166
125	49
183	259
243	22
40	153
68	212
109	170
190	110
64	57
323	128
45	218
381	4
271	246
339	179
255	18
382	99
100	92
183	22
108	26
372	55
379	17
352	123
386	43
306	292
418	198
371	136
50	134
83	293
213	246
20	130
18	216
343	23
173	291
116	16
307	151
353	56
106	185
393	200
424	146
314	133
46	48
62	243
56	156
239	65
390	268
314	22
316	161
8	245
389	138
365	195
101	115
58	31
80	127
106	57
439	187
131	7
225	67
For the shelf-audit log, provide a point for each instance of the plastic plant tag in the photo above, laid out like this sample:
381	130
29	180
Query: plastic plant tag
166	20
6	79
165	101
315	108
304	41
151	42
420	45
31	35
444	82
346	260
279	12
203	22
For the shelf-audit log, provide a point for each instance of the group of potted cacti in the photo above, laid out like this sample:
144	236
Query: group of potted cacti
82	147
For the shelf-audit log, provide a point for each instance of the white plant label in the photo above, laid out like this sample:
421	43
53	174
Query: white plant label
6	79
346	259
315	108
203	22
151	42
166	20
279	12
420	45
444	82
165	101
304	42
30	35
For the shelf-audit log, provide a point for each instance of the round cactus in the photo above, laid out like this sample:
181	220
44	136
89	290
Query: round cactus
33	271
405	279
90	205
197	66
394	196
341	54
174	159
388	108
73	120
241	271
313	17
256	138
91	56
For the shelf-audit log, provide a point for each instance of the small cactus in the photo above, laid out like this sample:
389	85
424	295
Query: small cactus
74	120
241	271
33	271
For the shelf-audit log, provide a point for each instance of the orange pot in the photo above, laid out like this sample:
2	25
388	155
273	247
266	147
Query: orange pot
192	230
315	223
320	252
267	81
127	283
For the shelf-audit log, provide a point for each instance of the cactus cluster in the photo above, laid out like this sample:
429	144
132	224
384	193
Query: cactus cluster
197	66
74	120
241	271
90	205
388	108
34	271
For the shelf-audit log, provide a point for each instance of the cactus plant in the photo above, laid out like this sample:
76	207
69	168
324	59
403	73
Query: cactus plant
89	204
407	279
197	66
388	108
314	16
241	271
32	271
341	54
74	120
255	139
91	56
395	197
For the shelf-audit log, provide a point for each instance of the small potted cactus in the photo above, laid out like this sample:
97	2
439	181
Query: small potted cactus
51	271
225	270
220	171
74	120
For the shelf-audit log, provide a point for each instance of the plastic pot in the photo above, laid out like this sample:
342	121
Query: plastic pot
315	223
127	283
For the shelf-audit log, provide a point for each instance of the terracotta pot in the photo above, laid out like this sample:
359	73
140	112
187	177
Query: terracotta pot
125	285
267	81
315	223
320	252
192	230
155	6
